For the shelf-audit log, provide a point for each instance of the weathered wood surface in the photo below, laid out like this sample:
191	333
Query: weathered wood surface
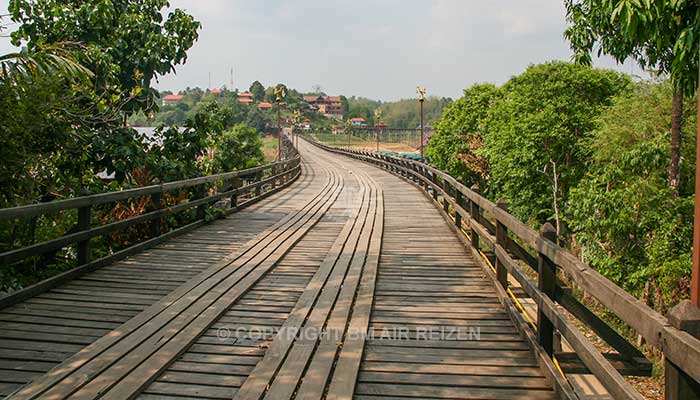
347	249
39	333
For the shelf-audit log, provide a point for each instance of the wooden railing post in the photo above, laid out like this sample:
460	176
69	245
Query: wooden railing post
155	224
458	216
258	187
235	184
679	386
501	240
202	209
475	213
546	282
433	179
274	174
83	225
445	202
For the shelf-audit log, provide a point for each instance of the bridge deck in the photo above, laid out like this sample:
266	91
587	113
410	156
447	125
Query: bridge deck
272	303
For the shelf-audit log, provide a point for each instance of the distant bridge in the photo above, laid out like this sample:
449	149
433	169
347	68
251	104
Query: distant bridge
337	274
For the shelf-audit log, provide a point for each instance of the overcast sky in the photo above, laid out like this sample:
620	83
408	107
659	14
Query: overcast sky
379	49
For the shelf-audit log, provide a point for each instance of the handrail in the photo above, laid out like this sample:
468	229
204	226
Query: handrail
32	210
679	347
252	184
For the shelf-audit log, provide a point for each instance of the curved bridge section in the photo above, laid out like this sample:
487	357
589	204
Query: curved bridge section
347	284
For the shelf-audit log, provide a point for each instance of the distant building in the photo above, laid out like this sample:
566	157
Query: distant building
306	124
215	91
358	121
329	106
380	124
264	105
246	97
172	98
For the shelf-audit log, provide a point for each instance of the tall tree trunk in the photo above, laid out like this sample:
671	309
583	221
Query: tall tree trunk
674	169
555	192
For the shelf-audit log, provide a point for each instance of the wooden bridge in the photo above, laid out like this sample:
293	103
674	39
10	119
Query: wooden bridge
334	276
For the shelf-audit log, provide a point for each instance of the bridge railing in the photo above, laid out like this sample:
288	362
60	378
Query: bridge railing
236	190
510	250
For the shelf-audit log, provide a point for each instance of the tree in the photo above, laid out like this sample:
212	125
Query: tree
258	91
257	119
536	144
124	44
344	103
127	43
625	221
237	148
657	34
459	135
51	60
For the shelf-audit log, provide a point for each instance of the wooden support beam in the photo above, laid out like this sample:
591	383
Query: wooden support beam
679	386
546	283
84	225
475	212
501	239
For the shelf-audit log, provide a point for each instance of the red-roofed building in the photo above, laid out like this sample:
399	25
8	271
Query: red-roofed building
380	124
245	97
264	105
358	121
172	98
216	91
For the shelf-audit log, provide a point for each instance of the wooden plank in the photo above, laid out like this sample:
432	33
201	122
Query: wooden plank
107	343
337	258
160	350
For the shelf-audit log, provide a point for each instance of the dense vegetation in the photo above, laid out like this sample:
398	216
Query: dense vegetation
403	113
85	68
196	99
399	114
587	150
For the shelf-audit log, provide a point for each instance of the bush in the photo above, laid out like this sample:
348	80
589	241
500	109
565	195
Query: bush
626	219
237	148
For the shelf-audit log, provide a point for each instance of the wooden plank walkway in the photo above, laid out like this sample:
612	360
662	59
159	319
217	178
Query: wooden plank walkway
274	302
38	334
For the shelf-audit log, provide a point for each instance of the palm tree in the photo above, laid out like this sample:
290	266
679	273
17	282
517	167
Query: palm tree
58	58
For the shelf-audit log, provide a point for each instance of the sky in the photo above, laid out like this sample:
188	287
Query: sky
381	49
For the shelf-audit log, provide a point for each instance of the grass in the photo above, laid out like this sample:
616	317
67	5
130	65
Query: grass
398	144
270	147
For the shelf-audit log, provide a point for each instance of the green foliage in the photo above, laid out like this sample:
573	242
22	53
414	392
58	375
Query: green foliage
127	42
542	125
626	221
237	148
459	135
58	59
258	119
403	113
658	34
345	104
44	132
258	91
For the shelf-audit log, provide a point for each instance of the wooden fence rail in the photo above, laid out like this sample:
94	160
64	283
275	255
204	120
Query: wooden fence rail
510	245
241	188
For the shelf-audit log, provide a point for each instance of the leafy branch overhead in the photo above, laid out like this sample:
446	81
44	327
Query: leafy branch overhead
658	34
54	59
127	43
